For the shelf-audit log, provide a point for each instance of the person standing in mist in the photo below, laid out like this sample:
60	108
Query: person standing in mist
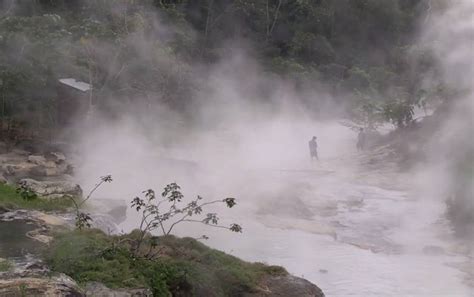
361	138
313	148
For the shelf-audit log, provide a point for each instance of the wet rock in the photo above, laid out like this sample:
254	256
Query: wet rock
38	160
49	219
53	189
286	286
3	179
96	289
35	225
115	209
55	157
51	170
53	164
3	147
104	222
61	285
19	164
19	152
18	170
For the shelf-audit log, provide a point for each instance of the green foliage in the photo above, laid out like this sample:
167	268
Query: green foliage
184	265
25	192
10	199
5	265
307	46
83	219
165	213
366	112
125	53
83	255
358	80
398	112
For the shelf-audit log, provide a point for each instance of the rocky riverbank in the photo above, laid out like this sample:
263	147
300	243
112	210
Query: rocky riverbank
43	254
61	251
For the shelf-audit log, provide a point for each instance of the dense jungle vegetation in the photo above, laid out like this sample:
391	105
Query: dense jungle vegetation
361	51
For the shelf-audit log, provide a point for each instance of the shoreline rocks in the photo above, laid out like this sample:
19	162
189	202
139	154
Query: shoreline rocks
18	164
52	189
60	285
286	286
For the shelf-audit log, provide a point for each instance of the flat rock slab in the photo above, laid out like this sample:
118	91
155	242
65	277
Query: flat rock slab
48	287
52	189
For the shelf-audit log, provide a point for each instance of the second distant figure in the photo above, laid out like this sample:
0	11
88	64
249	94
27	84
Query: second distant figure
313	148
361	140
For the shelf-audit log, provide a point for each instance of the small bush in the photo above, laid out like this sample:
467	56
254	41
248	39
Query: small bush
185	267
5	265
11	199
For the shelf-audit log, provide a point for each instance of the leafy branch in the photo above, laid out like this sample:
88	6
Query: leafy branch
165	213
83	219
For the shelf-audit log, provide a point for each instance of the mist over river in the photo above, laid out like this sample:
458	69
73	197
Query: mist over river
230	100
353	227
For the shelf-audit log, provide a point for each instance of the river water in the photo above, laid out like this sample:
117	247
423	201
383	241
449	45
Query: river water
362	239
351	226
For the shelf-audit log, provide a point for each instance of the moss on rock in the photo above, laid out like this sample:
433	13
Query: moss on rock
10	199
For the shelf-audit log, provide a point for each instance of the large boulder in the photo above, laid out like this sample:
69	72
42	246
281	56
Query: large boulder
57	286
17	164
39	160
116	210
56	157
52	189
3	179
52	164
286	286
3	147
18	170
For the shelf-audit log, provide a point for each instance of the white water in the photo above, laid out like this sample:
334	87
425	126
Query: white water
392	228
354	232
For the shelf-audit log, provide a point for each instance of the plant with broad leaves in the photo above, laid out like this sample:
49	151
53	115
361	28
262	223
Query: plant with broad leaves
83	220
164	213
25	191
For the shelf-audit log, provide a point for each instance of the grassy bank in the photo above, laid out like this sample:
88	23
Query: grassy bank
180	266
10	199
5	265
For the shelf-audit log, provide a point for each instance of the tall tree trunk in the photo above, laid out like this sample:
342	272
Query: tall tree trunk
275	18
208	19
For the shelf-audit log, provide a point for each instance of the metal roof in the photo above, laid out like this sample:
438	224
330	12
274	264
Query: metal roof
79	85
